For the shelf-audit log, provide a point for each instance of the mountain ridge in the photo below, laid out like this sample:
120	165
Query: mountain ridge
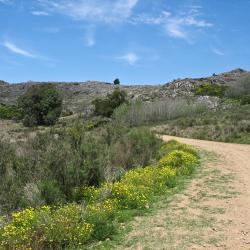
80	94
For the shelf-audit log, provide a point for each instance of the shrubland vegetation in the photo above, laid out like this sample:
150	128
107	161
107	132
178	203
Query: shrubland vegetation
97	211
208	89
46	169
10	112
230	124
138	113
40	105
106	106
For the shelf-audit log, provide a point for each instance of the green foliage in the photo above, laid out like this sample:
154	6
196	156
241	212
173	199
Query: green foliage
208	89
175	145
117	82
40	105
9	112
240	88
105	107
180	160
139	113
245	100
230	122
73	225
56	162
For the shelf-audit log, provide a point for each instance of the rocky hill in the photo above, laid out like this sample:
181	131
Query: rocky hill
78	95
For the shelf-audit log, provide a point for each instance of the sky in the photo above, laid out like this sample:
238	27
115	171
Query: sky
137	41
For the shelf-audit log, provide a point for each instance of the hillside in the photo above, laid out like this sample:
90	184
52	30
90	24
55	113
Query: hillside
78	95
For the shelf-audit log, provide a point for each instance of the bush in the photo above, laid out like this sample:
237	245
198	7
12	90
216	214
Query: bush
245	100
54	163
239	88
175	145
182	161
9	112
44	228
136	147
105	107
138	113
40	105
209	89
72	225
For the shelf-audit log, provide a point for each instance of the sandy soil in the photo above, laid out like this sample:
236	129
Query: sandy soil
234	160
213	212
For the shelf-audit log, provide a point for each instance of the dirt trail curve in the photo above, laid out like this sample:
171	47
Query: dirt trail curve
234	160
213	212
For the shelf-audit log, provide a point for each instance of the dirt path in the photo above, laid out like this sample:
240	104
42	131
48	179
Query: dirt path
212	213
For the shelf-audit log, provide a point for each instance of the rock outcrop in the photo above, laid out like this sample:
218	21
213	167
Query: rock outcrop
78	95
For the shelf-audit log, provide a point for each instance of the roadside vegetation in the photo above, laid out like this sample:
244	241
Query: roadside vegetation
226	119
46	169
98	210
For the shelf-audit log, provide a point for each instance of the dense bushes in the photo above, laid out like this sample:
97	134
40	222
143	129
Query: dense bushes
245	100
229	123
240	88
106	106
40	105
137	113
208	89
9	112
72	225
46	169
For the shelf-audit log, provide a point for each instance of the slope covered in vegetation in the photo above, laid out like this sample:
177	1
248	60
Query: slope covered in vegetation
98	209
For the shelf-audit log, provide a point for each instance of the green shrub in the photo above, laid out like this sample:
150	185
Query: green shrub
9	112
54	163
245	100
182	161
67	227
106	106
40	105
139	113
175	145
239	88
208	89
72	225
136	147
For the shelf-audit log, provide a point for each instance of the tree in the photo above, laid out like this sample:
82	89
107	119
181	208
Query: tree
117	82
106	106
40	105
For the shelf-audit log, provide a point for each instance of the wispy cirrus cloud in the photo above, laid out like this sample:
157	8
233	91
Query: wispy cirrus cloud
107	11
177	25
17	50
131	58
39	13
218	52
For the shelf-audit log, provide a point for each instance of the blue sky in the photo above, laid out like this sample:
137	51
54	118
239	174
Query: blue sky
138	41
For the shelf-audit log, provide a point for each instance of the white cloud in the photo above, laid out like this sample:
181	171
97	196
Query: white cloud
178	26
131	58
39	13
89	37
107	11
23	52
218	52
19	51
